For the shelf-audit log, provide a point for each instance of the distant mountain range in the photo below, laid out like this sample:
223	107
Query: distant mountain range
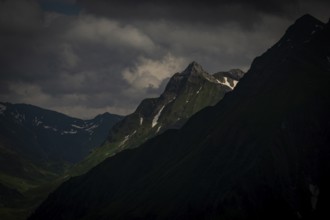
261	153
38	145
185	94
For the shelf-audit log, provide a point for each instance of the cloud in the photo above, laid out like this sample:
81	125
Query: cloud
109	33
209	12
112	54
19	16
149	73
69	57
30	93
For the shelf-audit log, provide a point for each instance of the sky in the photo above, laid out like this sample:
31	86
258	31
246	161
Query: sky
87	57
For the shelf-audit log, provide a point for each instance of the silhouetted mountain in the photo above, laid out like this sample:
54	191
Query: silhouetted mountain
260	153
185	94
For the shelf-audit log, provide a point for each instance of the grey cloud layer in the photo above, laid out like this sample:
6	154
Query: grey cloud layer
115	53
243	12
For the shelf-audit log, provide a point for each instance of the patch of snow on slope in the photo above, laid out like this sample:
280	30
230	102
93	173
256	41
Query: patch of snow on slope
158	129
19	118
155	120
36	121
2	108
172	99
126	138
69	132
77	126
48	127
200	89
228	84
141	120
91	129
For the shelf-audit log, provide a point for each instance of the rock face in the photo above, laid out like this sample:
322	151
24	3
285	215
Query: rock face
261	153
185	94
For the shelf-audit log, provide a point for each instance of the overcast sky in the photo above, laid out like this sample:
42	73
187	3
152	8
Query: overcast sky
87	57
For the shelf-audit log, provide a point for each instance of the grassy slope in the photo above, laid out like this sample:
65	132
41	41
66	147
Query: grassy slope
194	97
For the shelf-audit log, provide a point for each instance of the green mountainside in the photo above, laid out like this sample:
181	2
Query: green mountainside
185	94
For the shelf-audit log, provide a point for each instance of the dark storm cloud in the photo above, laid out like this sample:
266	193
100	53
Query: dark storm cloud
210	12
112	54
19	16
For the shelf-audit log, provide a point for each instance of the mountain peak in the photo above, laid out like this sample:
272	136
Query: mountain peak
303	29
307	18
193	68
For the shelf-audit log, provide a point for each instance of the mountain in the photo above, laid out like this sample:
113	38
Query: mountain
38	145
261	153
185	94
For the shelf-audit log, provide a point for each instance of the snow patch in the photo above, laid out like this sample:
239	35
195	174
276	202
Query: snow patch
141	121
124	141
91	128
19	118
158	129
200	89
172	99
69	132
48	127
228	84
155	120
235	83
126	138
77	126
36	121
2	108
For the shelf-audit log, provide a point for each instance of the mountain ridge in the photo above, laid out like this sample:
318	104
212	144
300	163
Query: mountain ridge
185	94
37	145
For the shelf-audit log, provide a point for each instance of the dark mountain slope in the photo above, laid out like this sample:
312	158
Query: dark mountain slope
263	152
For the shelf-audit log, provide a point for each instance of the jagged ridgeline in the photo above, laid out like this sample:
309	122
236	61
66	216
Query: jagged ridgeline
185	94
263	152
